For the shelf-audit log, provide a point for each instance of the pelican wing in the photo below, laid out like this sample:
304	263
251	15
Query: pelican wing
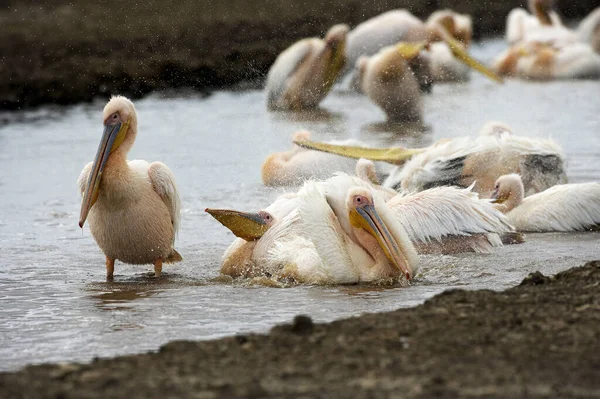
446	211
84	177
163	182
323	228
285	65
566	207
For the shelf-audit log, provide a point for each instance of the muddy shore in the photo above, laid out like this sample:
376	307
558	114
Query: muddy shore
539	339
65	52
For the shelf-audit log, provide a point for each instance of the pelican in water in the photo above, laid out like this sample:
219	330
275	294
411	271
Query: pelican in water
303	74
132	206
546	61
320	235
588	30
464	160
358	240
564	207
389	81
446	33
542	24
293	167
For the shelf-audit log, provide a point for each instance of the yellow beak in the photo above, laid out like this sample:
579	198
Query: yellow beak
249	226
112	137
368	218
393	155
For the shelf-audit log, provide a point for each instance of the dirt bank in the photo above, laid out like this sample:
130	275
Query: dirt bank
64	52
539	339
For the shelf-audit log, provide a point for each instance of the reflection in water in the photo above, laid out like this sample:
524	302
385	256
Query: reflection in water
310	115
109	296
406	129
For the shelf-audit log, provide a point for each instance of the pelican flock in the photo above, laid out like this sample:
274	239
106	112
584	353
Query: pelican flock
543	48
350	220
345	230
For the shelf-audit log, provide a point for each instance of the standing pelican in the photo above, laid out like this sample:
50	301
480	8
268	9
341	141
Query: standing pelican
292	167
464	160
133	207
588	30
564	207
303	74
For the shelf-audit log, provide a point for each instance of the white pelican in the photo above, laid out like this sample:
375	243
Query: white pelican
320	235
438	220
316	243
588	30
545	61
132	206
303	74
564	207
389	82
464	160
292	167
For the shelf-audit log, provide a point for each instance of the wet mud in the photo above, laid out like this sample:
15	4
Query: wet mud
64	52
539	339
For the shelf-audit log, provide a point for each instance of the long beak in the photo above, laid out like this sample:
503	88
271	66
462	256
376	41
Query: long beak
393	155
92	189
461	54
249	226
368	218
496	199
410	50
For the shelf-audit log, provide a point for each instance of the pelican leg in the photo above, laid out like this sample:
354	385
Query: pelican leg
110	268
157	267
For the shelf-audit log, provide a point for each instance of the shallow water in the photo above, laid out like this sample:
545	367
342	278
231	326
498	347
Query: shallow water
56	305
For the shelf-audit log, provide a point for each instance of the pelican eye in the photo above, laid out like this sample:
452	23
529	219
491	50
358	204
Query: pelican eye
360	200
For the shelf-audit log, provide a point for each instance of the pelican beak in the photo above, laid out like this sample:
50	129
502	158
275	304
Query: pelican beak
497	199
112	137
249	226
463	56
410	50
368	218
393	155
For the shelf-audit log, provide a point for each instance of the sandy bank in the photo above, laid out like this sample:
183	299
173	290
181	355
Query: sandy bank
539	339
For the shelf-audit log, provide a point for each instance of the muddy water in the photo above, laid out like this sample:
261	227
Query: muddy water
56	305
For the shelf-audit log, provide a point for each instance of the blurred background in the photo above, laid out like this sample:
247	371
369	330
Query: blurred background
59	51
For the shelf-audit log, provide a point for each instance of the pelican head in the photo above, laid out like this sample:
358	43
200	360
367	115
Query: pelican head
509	191
541	9
245	225
460	26
377	231
120	127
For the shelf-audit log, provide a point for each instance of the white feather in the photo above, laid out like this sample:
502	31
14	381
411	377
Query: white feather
163	182
565	207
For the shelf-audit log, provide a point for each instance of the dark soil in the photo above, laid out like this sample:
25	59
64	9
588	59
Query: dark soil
65	52
539	339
